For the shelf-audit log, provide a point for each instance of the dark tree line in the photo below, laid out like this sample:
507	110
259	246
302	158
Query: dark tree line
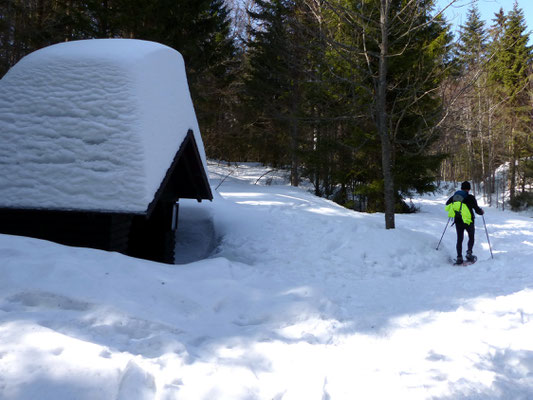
370	100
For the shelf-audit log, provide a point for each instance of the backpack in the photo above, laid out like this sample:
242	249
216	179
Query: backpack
457	206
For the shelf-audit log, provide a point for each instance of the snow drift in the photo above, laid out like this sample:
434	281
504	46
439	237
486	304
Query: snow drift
92	125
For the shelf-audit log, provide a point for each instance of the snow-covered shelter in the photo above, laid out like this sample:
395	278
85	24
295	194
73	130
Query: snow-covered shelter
98	141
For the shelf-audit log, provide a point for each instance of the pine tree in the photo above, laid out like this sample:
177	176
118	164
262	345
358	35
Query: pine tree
511	77
472	45
274	86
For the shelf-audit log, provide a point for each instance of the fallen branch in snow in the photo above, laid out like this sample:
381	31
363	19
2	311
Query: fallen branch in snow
222	181
227	176
266	173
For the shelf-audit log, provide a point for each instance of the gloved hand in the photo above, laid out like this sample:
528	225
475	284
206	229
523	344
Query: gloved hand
482	212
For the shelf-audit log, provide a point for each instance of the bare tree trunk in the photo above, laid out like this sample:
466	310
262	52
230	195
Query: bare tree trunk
295	175
381	117
104	23
512	165
492	174
482	140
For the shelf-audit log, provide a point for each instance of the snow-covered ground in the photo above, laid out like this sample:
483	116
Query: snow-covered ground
303	299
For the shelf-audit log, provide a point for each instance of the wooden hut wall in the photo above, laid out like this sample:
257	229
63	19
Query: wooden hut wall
73	228
153	238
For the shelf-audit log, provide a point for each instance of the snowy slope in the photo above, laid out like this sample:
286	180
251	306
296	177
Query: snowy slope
92	125
303	300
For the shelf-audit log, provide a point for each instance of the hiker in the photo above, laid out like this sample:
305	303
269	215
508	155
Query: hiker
464	219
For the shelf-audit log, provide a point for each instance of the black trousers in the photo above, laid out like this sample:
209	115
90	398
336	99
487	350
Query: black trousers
461	227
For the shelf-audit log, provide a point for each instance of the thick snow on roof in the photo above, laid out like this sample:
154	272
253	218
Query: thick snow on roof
92	125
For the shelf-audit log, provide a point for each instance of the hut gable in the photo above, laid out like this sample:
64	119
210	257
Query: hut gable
93	125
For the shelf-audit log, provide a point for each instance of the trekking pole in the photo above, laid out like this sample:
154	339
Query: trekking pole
443	233
487	232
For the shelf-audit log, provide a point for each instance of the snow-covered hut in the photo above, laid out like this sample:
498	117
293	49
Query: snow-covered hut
98	140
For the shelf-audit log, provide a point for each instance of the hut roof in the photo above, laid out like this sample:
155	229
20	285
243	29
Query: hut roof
93	125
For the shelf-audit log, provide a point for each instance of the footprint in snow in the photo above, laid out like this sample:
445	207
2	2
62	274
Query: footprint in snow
250	321
57	351
47	300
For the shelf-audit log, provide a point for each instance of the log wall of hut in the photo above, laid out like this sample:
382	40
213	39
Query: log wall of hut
73	228
153	238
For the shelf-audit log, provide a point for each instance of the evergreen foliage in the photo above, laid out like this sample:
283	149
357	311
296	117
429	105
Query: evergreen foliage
472	44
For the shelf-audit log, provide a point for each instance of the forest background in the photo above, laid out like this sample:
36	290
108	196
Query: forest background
370	100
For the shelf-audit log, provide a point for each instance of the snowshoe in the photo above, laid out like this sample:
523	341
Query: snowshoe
470	260
459	262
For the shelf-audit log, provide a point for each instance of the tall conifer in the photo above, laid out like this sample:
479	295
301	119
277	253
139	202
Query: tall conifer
511	77
472	44
278	61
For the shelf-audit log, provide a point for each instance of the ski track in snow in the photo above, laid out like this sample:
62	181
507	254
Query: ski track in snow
303	299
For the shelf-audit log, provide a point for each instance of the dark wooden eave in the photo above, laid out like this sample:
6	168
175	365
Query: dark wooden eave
186	177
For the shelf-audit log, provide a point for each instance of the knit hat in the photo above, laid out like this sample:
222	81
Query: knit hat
465	185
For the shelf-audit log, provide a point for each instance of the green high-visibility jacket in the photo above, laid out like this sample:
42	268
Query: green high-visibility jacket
457	206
